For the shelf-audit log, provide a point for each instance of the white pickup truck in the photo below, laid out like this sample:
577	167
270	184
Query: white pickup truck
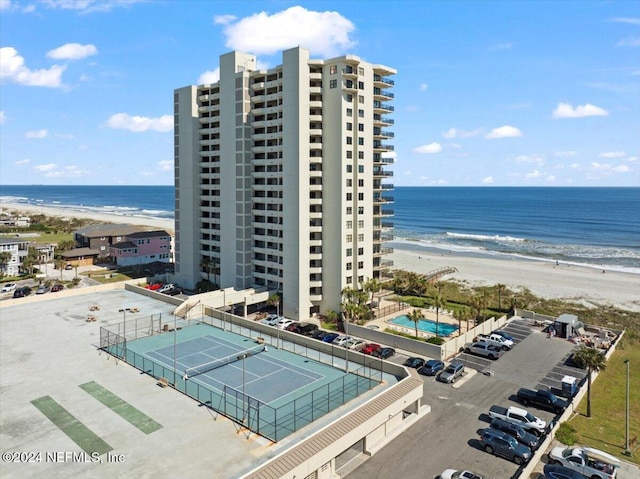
589	462
521	417
496	340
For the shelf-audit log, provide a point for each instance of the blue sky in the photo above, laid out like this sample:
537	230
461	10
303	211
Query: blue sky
487	93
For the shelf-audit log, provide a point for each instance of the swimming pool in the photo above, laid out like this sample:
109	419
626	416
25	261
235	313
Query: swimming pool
426	325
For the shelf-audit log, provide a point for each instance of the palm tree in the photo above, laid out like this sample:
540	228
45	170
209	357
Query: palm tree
439	302
205	264
5	257
499	289
593	360
476	304
274	300
459	315
415	316
372	286
59	263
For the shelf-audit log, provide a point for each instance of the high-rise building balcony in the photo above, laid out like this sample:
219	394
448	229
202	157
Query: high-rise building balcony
258	86
382	107
382	82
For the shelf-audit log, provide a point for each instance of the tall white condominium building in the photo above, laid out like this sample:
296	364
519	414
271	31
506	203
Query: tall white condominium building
280	179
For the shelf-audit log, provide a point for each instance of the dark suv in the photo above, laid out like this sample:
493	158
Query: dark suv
501	444
518	432
22	292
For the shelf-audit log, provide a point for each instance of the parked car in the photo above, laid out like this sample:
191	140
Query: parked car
68	267
452	373
153	286
22	292
57	287
284	322
292	326
431	367
502	333
554	471
501	444
521	417
9	287
453	474
587	461
329	338
384	353
319	334
271	320
43	289
370	348
356	344
518	432
307	329
172	292
341	340
542	398
414	363
495	339
486	350
166	287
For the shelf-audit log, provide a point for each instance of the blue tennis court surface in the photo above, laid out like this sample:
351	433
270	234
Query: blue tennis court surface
272	392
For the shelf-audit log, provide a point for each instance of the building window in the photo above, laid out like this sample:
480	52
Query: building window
349	224
349	197
349	238
360	98
360	264
360	210
360	126
348	98
349	252
349	126
361	155
349	155
349	168
360	251
361	113
349	210
360	196
360	279
360	71
361	141
360	182
333	69
349	112
349	183
349	279
360	168
349	140
349	266
360	223
360	85
360	237
333	83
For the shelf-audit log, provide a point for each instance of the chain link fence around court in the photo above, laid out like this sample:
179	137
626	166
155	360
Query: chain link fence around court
274	423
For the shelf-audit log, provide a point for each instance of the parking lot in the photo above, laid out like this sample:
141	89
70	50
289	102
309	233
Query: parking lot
448	438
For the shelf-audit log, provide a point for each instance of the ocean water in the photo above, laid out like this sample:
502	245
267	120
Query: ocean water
597	227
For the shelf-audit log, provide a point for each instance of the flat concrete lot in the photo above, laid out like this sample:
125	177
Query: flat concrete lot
48	349
447	438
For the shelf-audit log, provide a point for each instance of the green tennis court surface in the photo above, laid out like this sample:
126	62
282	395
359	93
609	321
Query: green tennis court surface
79	433
121	407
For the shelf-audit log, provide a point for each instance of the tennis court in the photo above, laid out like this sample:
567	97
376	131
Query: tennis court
271	391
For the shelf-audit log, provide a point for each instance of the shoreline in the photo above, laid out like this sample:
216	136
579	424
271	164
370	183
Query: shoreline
542	277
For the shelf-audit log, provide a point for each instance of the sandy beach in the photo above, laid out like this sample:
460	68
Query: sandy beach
542	278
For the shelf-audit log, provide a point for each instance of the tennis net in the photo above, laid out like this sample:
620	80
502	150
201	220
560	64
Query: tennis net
218	363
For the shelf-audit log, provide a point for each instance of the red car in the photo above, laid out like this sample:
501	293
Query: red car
57	287
154	286
370	348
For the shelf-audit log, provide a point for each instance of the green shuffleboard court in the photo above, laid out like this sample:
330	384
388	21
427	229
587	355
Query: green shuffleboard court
79	433
121	407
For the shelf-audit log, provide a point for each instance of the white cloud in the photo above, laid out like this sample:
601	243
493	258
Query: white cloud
210	76
455	133
502	46
325	33
88	6
612	154
565	110
5	4
3	117
22	162
72	51
8	5
629	42
535	159
607	168
423	86
69	171
631	20
38	134
504	132
12	68
165	165
123	121
550	178
631	159
575	166
224	19
45	168
620	169
488	180
430	148
533	174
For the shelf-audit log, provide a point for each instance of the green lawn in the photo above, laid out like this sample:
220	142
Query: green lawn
605	430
